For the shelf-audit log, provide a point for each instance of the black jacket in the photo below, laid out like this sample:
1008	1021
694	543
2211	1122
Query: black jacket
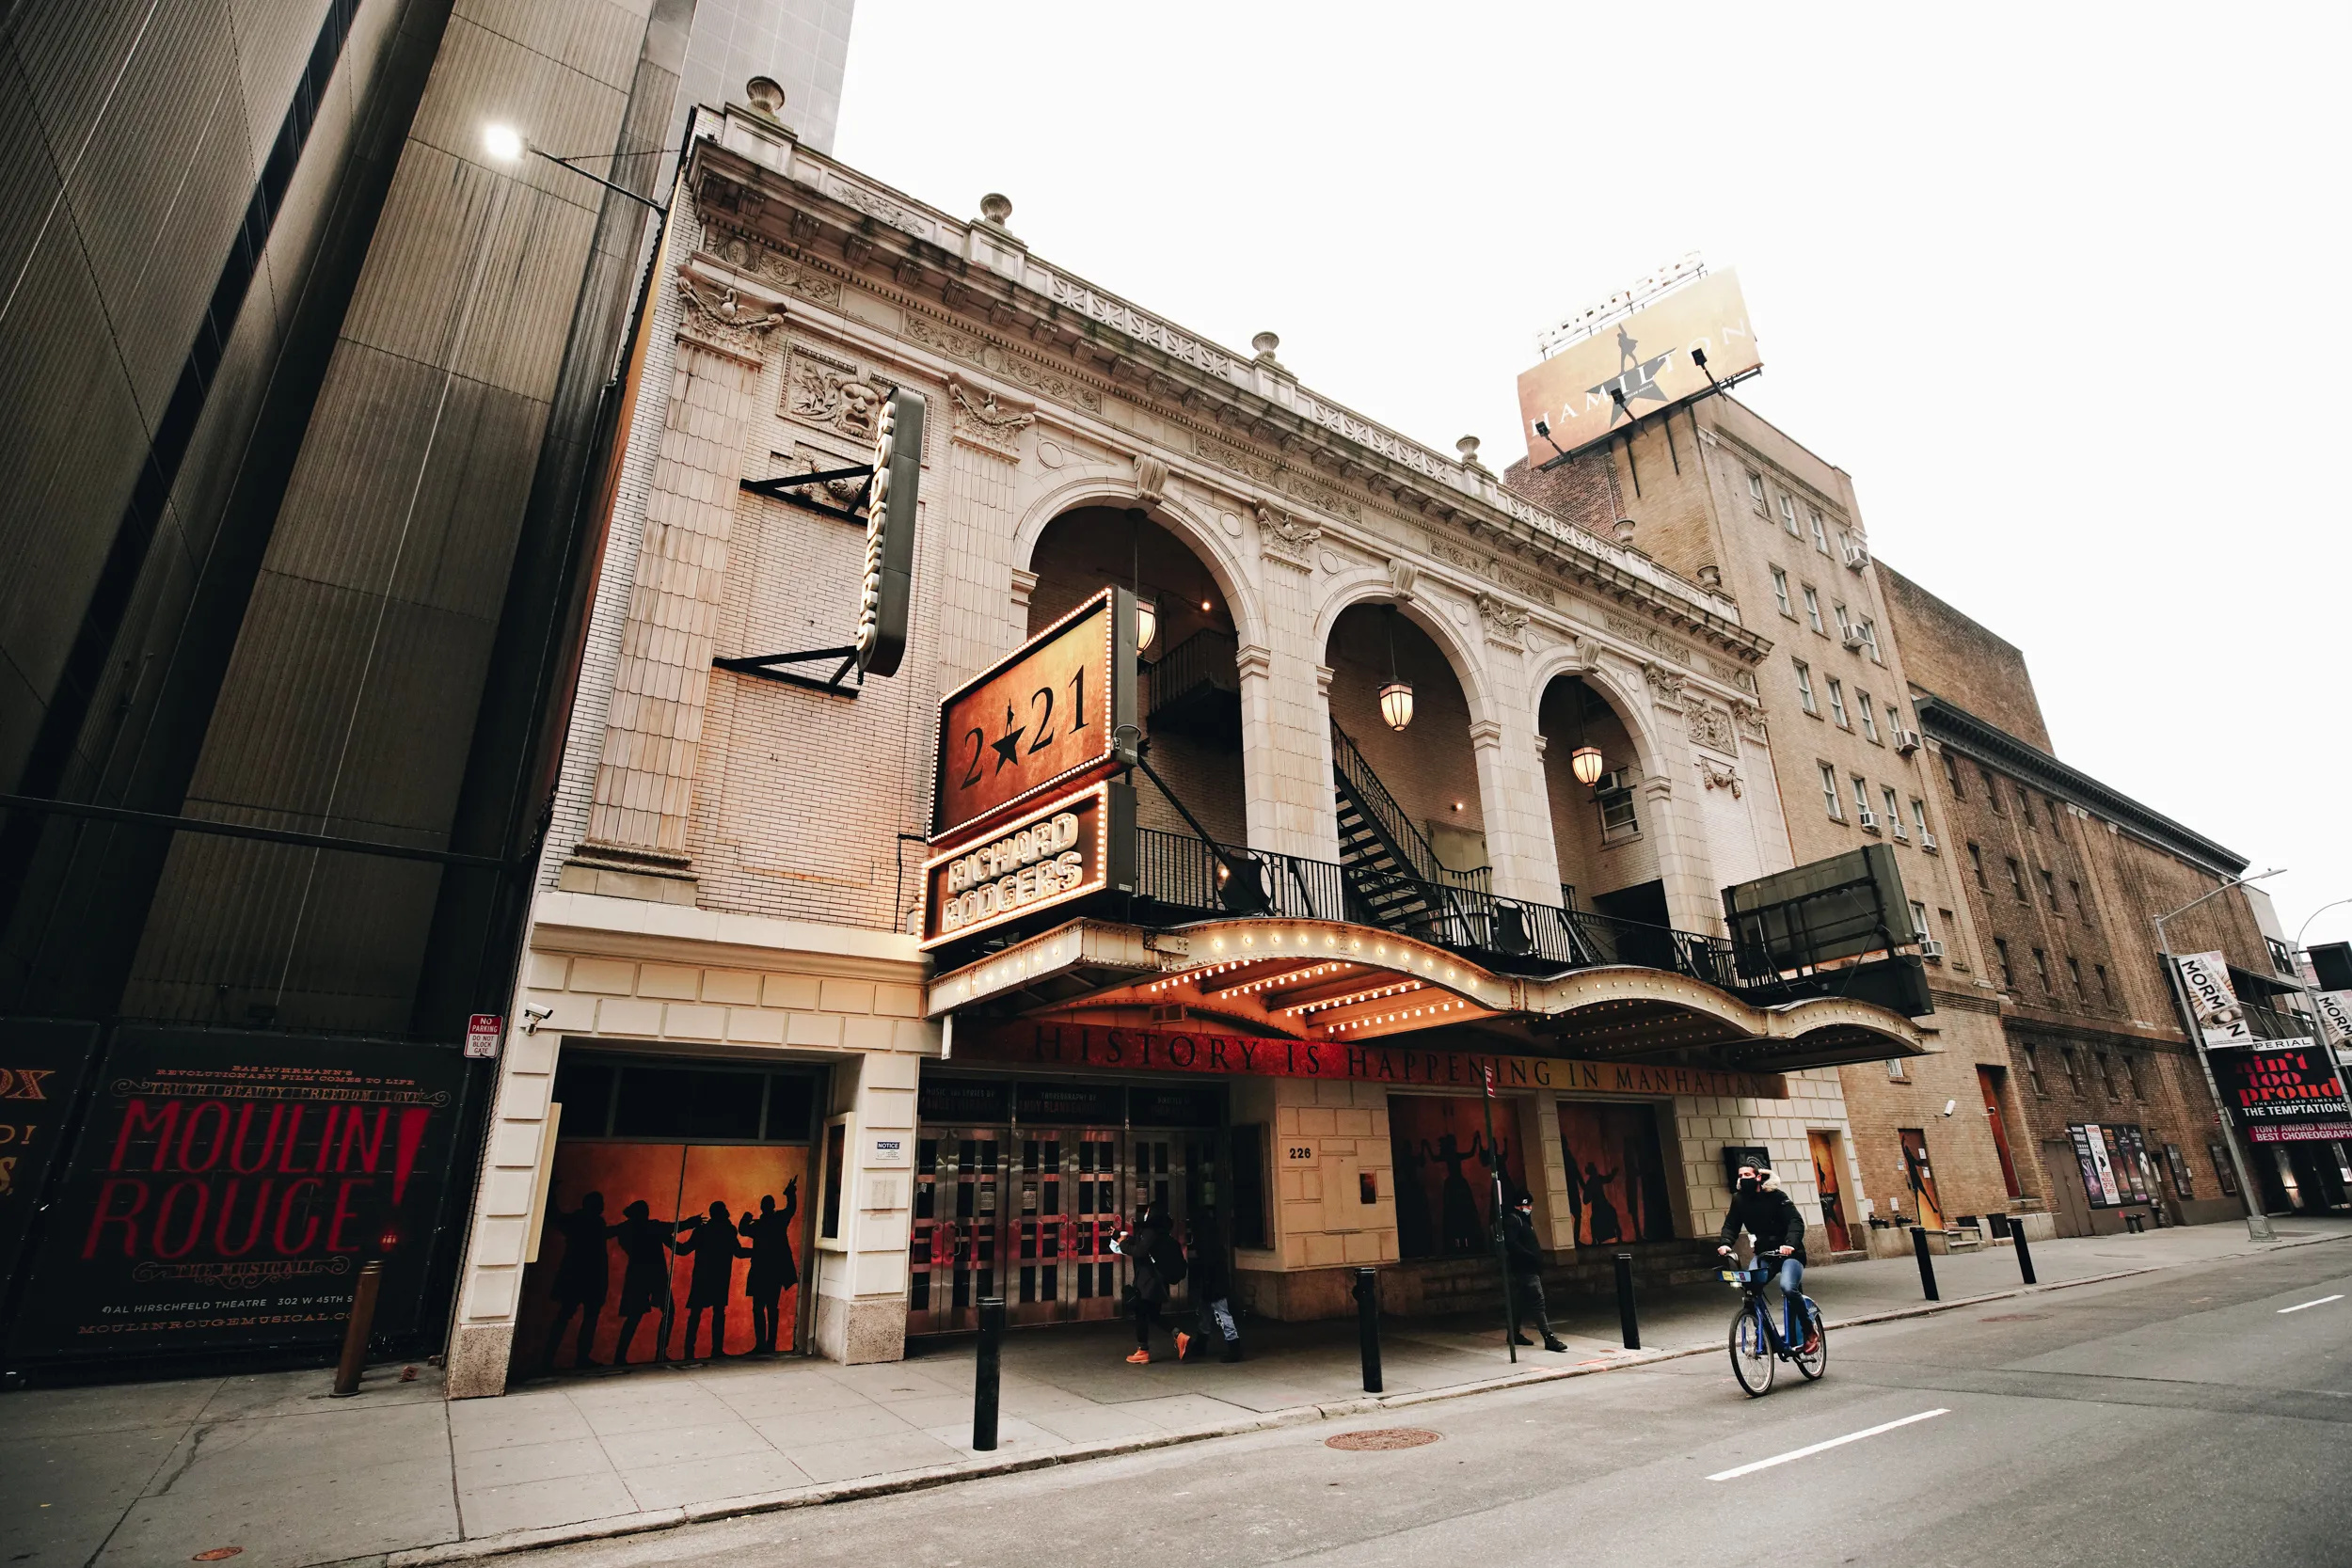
1519	1246
1770	1217
1143	1248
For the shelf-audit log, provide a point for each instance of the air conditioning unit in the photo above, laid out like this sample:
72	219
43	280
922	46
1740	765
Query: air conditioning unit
1926	841
1930	948
1902	835
1870	820
1851	637
1857	555
1906	742
1614	781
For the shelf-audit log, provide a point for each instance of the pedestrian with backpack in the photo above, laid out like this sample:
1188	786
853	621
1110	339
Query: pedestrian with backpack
1158	1264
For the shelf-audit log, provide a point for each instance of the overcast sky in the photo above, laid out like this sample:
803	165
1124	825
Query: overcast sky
2050	282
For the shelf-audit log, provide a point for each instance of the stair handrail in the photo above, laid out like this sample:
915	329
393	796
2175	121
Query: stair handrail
1194	661
1389	818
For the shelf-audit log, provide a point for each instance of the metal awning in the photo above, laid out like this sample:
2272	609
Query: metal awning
1323	980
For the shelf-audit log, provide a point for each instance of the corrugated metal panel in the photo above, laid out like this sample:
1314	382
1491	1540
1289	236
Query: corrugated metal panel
273	40
340	522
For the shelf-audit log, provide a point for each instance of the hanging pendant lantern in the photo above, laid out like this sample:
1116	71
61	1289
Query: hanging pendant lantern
1396	698
1147	622
1396	705
1586	764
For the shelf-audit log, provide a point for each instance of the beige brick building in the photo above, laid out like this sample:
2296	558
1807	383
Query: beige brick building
1279	1030
1716	492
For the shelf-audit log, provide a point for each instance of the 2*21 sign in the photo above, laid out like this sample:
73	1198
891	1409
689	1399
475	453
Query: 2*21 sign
1044	718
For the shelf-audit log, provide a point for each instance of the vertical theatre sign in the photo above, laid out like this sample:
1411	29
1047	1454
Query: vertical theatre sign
227	1187
2212	1001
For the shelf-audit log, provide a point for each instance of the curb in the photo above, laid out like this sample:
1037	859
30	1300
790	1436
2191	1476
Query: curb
648	1521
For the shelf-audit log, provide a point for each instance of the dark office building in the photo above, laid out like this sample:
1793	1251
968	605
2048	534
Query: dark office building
302	398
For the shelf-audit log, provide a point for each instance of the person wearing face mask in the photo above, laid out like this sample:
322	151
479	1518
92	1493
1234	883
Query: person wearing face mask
1765	1212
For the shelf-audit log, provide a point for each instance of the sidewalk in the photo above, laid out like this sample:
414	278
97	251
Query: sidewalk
155	1473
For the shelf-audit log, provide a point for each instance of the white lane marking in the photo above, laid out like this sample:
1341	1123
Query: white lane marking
2321	1301
1832	1443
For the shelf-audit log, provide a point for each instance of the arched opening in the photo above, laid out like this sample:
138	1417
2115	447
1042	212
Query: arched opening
1607	853
1190	691
1407	798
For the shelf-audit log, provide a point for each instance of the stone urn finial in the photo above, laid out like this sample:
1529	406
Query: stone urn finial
1468	447
1623	530
995	208
1265	343
1712	576
766	94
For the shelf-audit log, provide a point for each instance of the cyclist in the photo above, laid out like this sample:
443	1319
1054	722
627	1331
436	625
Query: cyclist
1766	1214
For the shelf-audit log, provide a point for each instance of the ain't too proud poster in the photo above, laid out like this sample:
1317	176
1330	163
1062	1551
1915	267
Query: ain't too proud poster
226	1187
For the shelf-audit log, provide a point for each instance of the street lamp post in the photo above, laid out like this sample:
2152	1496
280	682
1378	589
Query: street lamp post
506	144
2257	1222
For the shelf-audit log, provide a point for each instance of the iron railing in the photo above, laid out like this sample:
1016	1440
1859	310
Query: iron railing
1206	661
1390	818
1181	878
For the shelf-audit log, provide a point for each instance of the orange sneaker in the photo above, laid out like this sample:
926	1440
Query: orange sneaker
1184	1344
1140	1358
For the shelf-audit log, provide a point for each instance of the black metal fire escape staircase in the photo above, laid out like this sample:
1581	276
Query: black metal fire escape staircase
1393	875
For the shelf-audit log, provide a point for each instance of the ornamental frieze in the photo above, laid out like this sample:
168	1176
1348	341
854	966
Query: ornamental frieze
975	350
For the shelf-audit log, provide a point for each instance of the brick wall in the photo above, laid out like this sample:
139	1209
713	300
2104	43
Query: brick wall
1959	658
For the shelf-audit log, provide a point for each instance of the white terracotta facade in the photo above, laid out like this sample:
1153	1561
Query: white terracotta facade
731	863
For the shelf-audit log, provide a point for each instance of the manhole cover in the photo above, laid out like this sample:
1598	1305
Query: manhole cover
1381	1437
2013	1317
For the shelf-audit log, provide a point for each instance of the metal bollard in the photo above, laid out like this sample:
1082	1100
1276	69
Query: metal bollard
357	1329
1927	1265
984	1373
1367	1295
2024	1254
1625	1301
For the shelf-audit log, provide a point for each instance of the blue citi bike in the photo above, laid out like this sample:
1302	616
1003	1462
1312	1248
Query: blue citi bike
1758	1345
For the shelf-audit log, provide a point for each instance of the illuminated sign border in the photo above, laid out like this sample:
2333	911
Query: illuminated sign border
1103	794
1118	682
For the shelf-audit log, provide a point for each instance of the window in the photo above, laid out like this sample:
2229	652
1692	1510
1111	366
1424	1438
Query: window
1813	611
2074	1069
2075	888
1789	517
1869	719
1780	592
2106	993
2131	1075
1804	687
1821	531
1861	796
1976	864
2041	972
2106	1075
1830	797
1894	817
1951	775
1945	923
2049	886
1871	639
2000	954
1755	491
1894	1070
1837	702
2074	969
1845	623
1919	920
1991	792
2033	1072
2017	879
1919	818
1617	820
2025	806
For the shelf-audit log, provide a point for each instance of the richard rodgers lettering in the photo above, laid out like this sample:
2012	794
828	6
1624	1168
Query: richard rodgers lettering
1039	862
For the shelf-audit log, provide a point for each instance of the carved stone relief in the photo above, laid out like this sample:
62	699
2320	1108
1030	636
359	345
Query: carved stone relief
1506	622
981	421
974	349
1277	476
1709	725
1664	684
1720	776
1492	568
722	319
1151	478
830	392
749	257
1287	538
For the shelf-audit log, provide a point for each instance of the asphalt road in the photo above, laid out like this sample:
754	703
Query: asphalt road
2176	1419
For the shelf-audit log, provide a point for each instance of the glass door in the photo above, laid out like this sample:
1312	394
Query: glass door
957	1247
1065	1192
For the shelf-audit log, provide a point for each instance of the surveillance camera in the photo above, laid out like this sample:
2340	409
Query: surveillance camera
534	1014
1950	1106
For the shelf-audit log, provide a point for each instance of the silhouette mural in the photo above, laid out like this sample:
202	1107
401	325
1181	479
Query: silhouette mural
1616	1173
1444	1172
708	1228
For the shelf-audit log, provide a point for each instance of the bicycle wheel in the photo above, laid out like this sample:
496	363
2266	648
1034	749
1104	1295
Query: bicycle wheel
1752	1358
1816	1363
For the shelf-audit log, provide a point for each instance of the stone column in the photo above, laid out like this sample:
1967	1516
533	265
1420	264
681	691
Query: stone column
1517	808
983	598
1286	728
636	819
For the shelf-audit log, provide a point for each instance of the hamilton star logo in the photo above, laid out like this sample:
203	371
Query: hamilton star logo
1006	748
1636	379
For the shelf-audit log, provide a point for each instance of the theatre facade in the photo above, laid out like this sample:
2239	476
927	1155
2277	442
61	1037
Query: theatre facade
1256	812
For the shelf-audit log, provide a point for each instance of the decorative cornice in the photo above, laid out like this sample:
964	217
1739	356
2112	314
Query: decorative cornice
1984	742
